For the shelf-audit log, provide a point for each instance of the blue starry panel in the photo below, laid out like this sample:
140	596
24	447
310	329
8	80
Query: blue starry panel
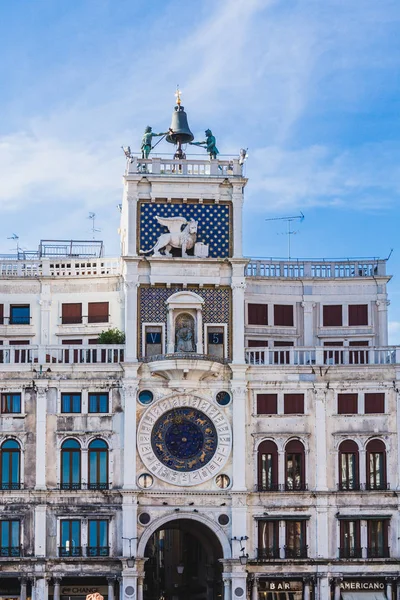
213	224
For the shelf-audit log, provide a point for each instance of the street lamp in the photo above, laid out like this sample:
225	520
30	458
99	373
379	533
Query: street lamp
130	562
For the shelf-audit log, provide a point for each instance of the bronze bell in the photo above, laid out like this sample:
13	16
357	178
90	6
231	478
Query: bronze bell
179	131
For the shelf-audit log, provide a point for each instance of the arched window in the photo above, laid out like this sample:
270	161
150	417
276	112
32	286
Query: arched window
348	466
70	465
295	466
267	466
376	465
10	465
98	465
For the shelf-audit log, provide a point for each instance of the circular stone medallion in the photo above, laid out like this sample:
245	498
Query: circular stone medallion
184	440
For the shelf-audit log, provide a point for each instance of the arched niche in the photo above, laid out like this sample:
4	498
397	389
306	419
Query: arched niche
185	314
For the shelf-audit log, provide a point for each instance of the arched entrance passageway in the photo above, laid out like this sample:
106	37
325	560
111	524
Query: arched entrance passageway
183	562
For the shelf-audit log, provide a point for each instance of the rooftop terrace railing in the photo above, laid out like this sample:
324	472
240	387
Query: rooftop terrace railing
315	269
185	167
61	267
61	355
324	355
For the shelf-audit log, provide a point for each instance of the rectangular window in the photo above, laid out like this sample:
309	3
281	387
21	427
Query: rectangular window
71	313
283	315
1	314
350	544
268	539
10	403
332	315
358	314
71	403
98	403
20	315
216	341
153	340
293	404
378	538
98	538
98	312
347	404
70	538
257	343
374	403
296	539
267	404
10	538
348	471
257	314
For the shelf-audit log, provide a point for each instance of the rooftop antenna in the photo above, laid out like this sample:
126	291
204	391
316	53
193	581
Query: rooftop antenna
15	237
92	216
289	231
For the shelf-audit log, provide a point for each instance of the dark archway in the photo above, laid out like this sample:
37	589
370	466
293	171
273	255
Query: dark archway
183	562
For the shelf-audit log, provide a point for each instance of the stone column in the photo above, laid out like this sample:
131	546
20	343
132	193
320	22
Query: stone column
40	530
33	588
362	466
111	582
199	332
22	595
170	332
382	338
337	589
140	587
57	590
389	588
254	589
238	288
237	204
319	399
45	308
308	323
41	412
239	436
306	590
227	588
129	390
42	589
281	468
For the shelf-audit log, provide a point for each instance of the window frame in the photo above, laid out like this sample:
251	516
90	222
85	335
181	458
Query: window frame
299	548
341	397
378	548
10	550
71	320
266	482
71	484
282	313
26	320
296	398
252	312
329	320
268	531
354	314
16	396
349	548
67	551
92	318
7	456
96	396
270	397
376	478
100	454
71	395
298	451
97	549
351	450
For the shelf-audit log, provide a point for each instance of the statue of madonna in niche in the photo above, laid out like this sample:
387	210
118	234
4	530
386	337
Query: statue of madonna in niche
184	333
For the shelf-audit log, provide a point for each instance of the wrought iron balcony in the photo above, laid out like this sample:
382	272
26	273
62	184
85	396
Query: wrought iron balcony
349	486
268	553
295	486
64	551
378	552
352	552
10	551
10	486
269	487
70	486
98	551
297	552
381	485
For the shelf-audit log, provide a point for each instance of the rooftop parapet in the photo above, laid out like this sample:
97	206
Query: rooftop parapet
187	167
324	268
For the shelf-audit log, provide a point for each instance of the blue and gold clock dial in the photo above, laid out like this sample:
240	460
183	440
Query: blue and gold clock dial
184	439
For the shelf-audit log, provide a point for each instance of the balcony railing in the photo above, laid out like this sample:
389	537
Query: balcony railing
378	552
268	553
64	551
350	552
271	487
60	267
322	356
10	551
10	486
83	486
184	356
78	551
362	487
282	487
299	552
315	269
98	551
62	354
184	167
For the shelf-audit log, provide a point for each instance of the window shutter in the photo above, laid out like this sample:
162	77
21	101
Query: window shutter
257	343
358	314
98	312
258	314
347	404
71	313
332	315
283	315
294	404
267	404
1	314
374	403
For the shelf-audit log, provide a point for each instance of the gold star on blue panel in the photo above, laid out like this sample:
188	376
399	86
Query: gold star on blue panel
212	229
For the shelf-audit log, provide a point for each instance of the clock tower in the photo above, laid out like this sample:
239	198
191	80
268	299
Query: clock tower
184	385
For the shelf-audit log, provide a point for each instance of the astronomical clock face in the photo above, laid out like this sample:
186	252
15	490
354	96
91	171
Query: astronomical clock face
184	440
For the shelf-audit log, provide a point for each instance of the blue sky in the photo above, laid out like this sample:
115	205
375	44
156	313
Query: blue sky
312	87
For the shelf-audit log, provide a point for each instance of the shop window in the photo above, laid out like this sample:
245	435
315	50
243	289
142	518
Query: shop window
347	404
378	538
374	403
71	403
348	466
296	546
98	537
257	314
153	342
71	313
70	538
376	465
98	312
267	404
98	465
98	402
20	314
293	404
10	465
10	403
295	466
267	466
10	538
283	315
216	341
268	540
70	465
332	315
350	540
358	314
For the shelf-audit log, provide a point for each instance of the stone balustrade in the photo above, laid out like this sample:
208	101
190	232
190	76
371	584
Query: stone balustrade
315	269
323	355
60	267
186	167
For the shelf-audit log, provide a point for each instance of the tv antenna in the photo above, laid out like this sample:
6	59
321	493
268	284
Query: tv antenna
15	237
289	231
92	216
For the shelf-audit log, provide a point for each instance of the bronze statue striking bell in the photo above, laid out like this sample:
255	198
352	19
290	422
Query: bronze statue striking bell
179	131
